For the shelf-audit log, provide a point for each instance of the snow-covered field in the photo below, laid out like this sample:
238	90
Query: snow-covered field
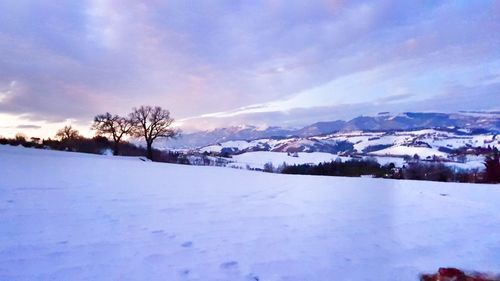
405	150
69	216
258	159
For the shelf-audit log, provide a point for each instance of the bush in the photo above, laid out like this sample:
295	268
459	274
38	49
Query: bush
425	171
492	173
269	167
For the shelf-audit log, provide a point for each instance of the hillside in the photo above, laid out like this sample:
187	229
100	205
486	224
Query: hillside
71	216
385	147
438	141
386	122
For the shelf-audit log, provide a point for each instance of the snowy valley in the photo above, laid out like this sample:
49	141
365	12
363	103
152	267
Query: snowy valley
456	148
458	140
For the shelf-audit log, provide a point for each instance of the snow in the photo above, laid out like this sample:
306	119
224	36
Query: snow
423	152
470	165
385	140
390	143
386	160
259	158
70	216
239	145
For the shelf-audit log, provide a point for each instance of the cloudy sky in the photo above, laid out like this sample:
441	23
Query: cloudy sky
220	63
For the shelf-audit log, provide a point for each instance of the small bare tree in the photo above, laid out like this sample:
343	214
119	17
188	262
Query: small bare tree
20	137
113	126
152	123
67	133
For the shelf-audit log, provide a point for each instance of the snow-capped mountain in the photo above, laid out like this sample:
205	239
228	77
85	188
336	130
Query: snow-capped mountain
426	143
246	132
383	122
407	121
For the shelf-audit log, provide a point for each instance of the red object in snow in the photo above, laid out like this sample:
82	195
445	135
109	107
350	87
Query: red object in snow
454	274
451	274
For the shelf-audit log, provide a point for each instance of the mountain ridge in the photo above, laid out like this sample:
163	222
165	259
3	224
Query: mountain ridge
384	121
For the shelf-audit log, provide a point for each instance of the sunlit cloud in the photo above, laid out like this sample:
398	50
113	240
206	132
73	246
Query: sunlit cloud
261	63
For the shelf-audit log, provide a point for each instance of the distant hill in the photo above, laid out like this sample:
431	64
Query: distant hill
484	121
425	142
246	132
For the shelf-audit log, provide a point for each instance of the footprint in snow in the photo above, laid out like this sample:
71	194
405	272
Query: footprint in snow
155	258
56	254
188	275
252	277
229	265
187	244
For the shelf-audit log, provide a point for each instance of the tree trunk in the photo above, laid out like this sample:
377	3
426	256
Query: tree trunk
150	151
116	148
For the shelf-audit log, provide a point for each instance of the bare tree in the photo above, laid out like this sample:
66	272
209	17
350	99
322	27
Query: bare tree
114	126
152	123
67	133
20	137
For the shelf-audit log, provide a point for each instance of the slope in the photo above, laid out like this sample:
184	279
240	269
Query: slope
68	216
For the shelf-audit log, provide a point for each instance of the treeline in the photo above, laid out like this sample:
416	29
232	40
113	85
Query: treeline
350	168
412	171
146	122
95	145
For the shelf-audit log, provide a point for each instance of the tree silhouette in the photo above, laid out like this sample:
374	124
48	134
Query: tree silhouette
20	137
492	164
113	126
151	123
67	133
